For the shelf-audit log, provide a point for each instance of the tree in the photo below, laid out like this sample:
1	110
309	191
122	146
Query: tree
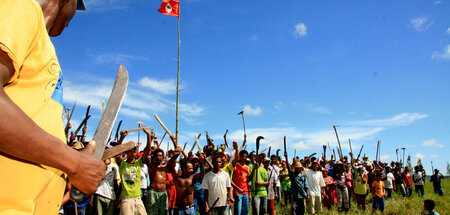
419	162
408	162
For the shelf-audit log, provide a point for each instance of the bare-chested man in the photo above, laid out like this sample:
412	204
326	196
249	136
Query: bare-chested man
157	199
184	183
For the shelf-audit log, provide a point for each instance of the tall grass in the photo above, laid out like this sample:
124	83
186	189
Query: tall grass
395	205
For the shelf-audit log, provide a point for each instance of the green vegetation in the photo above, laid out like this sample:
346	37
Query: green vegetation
397	204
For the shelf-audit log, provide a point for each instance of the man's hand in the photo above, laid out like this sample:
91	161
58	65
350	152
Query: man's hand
231	200
90	171
207	210
145	130
178	151
123	133
235	145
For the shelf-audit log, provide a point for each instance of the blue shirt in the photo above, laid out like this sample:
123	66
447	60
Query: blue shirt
198	182
299	185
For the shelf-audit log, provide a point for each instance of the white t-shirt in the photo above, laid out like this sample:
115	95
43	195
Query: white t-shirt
106	188
315	182
417	176
144	176
273	174
216	184
389	182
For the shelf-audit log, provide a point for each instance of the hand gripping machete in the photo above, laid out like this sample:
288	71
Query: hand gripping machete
107	121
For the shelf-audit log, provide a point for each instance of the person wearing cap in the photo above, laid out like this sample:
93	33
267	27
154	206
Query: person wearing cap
361	188
33	141
316	187
299	186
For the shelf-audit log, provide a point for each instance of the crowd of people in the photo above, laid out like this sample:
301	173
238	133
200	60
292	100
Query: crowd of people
230	180
153	181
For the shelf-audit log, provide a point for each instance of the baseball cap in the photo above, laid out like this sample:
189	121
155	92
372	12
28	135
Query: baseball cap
81	5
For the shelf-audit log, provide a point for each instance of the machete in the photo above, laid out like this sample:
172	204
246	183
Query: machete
197	143
82	124
139	129
87	113
116	137
107	121
70	116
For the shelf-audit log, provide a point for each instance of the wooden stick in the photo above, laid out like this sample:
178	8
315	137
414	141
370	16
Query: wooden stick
339	142
116	150
165	128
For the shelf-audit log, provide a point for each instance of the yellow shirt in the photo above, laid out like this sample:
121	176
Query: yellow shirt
36	88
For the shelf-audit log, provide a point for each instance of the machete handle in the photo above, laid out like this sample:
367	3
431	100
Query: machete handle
76	195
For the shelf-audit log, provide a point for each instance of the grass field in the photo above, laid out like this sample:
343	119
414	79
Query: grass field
397	204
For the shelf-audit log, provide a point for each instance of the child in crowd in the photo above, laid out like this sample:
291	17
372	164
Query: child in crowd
378	193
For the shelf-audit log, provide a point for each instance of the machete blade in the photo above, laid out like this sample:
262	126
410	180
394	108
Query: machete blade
112	109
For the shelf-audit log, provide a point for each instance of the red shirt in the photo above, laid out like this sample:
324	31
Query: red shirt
171	190
240	178
407	178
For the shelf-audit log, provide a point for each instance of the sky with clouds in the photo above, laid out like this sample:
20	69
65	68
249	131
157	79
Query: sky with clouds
378	70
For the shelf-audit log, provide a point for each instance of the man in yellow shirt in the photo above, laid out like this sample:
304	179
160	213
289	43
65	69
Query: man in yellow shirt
34	157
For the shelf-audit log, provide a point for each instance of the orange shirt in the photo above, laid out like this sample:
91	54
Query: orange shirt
378	188
240	178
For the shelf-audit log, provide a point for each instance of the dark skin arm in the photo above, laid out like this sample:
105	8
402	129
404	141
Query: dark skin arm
236	153
147	147
173	161
24	139
123	134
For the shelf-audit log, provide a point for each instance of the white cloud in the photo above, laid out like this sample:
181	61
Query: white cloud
432	142
249	110
420	156
300	30
448	30
420	23
444	55
385	157
138	102
278	105
434	156
167	87
397	120
319	109
254	38
116	58
437	2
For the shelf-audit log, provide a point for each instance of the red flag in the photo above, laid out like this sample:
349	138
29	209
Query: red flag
170	7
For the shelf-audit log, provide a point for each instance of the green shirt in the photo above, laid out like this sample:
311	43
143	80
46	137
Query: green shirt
130	176
262	177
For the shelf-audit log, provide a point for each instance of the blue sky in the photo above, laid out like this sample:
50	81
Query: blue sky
378	69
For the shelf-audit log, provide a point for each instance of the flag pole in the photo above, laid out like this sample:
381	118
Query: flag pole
178	75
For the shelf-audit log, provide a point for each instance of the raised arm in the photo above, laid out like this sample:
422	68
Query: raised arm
236	153
123	134
148	146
